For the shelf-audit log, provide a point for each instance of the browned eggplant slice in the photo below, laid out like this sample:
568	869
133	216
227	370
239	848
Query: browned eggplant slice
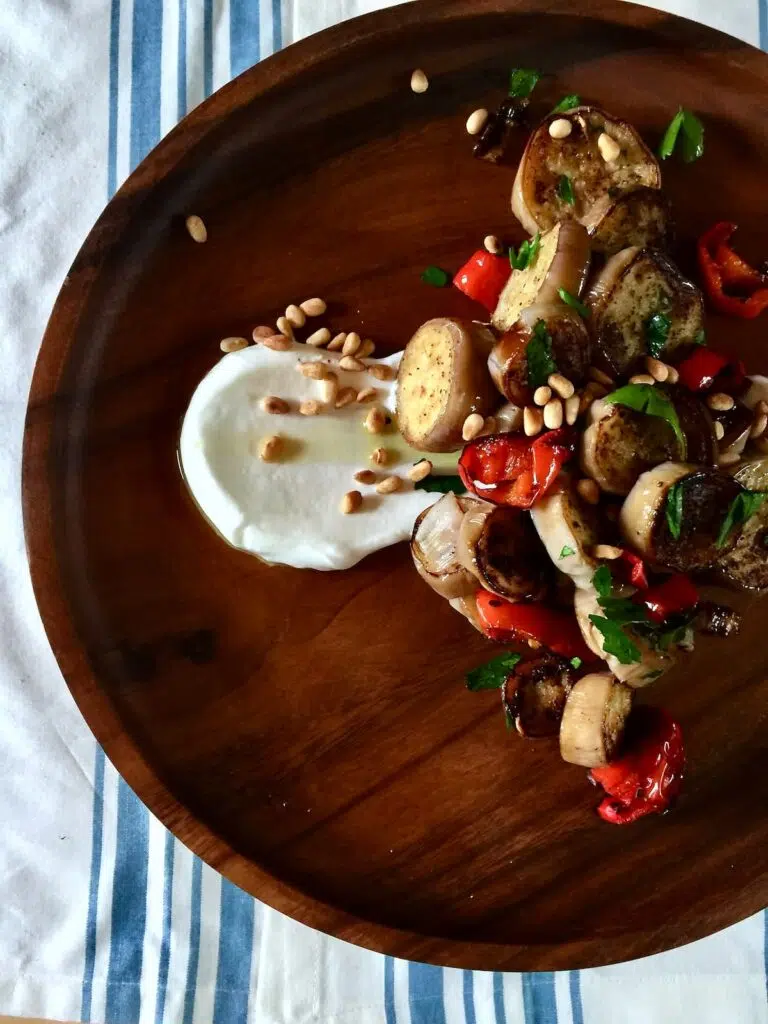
642	217
534	695
500	547
746	564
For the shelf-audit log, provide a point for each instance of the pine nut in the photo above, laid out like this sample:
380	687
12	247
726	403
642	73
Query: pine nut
729	459
277	342
346	396
609	148
337	342
642	378
366	476
533	420
658	370
607	551
352	364
285	327
719	430
720	402
599	377
329	389
375	421
318	338
588	490
351	344
389	485
233	344
572	409
476	121
759	425
420	471
542	395
366	395
295	316
493	245
419	81
315	371
473	424
381	371
262	332
560	128
553	414
350	503
561	385
198	232
271	448
672	375
380	456
311	407
313	307
366	349
274	405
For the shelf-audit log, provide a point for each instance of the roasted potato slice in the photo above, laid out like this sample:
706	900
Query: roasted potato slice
634	286
537	196
443	377
642	217
746	564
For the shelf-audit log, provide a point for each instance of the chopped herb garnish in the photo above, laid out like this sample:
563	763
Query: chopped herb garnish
440	484
689	130
567	103
522	81
743	506
526	254
436	277
565	551
491	675
616	641
669	139
576	662
623	610
701	337
571	300
538	353
674	509
651	401
565	190
617	612
656	333
602	581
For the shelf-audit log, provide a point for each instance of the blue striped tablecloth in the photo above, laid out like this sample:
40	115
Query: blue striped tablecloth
104	916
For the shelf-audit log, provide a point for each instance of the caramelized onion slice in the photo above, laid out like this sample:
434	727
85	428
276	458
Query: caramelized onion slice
434	546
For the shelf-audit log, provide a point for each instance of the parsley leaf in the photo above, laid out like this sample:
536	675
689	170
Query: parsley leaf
602	581
669	139
538	352
567	103
571	300
436	276
686	128
522	81
491	675
623	610
741	508
617	612
701	337
565	551
656	333
526	254
616	641
674	509
648	399
565	190
576	662
440	484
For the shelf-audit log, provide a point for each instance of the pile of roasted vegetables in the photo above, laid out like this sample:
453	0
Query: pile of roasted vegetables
621	462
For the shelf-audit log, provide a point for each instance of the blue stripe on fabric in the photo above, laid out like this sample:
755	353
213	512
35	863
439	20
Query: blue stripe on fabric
425	994
498	998
539	1005
97	823
114	54
390	1016
763	15
129	908
181	72
194	940
145	77
233	975
577	1010
165	942
244	35
469	997
207	47
277	25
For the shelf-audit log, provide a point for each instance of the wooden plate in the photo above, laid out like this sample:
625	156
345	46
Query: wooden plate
309	734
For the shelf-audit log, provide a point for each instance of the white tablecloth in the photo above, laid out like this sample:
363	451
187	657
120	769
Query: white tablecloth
103	916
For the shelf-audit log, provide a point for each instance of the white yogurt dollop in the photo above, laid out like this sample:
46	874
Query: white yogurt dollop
288	511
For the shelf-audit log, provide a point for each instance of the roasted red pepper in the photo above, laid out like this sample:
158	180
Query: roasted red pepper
648	777
676	594
508	469
636	570
483	277
506	622
722	268
699	370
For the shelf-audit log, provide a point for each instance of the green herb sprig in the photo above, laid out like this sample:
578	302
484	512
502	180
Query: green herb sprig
440	484
656	333
742	508
674	509
650	400
436	277
565	190
526	255
491	675
538	351
522	82
566	103
686	129
571	300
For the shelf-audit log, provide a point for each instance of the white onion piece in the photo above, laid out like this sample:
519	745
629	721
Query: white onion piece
593	720
434	547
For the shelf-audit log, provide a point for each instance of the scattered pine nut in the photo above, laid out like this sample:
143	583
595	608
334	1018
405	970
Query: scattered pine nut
759	425
198	232
274	405
262	332
419	81
533	420
719	430
366	349
313	307
277	342
476	121
420	471
572	409
366	395
560	128
658	370
350	503
285	327
295	316
542	395
311	407
315	371
271	448
609	147
329	389
607	551
352	364
233	344
493	245
729	459
380	456
381	371
720	402
337	342
672	375
553	414
375	421
588	490
599	377
321	337
642	378
473	424
346	396
389	485
561	385
352	343
366	476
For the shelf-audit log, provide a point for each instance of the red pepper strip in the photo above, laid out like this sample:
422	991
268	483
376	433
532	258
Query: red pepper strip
711	250
483	277
512	470
506	622
674	595
649	775
638	573
699	370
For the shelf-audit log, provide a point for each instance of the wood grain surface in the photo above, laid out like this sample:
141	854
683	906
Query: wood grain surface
309	734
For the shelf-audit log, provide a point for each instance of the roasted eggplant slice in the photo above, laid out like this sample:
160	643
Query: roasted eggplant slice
567	527
635	289
697	426
534	695
641	217
435	546
500	548
746	564
593	721
716	619
539	198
